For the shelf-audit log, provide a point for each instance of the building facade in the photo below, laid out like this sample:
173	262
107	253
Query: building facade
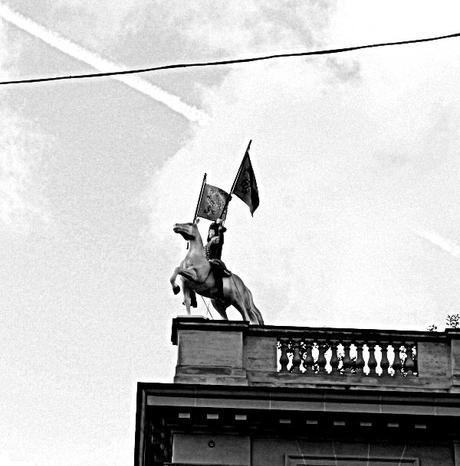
285	396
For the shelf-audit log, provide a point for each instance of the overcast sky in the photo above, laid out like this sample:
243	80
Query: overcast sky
356	157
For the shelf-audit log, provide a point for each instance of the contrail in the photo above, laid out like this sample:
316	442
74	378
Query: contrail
439	241
100	64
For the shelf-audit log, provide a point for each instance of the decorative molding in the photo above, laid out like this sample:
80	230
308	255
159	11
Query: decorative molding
315	460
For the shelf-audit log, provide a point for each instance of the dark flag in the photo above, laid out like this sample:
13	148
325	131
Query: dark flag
213	203
245	185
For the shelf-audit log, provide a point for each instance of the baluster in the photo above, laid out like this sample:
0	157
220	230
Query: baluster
371	363
334	359
359	357
346	358
284	359
322	348
397	363
296	359
308	362
353	360
409	362
384	363
414	358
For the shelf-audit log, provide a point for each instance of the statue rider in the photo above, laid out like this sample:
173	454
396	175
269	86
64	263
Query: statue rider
213	251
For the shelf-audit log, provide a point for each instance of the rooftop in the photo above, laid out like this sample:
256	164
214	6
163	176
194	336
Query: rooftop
236	353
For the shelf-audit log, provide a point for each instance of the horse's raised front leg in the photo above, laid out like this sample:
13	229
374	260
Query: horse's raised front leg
189	273
193	302
187	298
172	280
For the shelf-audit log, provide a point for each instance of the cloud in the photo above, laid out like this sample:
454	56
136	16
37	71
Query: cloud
108	20
254	26
160	32
22	203
345	167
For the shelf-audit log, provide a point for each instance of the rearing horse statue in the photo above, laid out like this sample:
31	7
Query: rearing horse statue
198	277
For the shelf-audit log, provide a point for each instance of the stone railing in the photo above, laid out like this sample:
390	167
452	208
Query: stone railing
236	353
321	355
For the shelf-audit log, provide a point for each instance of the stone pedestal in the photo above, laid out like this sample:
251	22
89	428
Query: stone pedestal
209	352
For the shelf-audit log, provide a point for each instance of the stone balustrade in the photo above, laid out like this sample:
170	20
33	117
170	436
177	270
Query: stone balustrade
236	353
320	355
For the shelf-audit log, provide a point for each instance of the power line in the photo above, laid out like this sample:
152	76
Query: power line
99	64
227	62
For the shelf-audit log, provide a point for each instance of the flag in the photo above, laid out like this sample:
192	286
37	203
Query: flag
212	203
245	185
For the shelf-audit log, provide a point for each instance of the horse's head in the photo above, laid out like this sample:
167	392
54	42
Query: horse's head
189	231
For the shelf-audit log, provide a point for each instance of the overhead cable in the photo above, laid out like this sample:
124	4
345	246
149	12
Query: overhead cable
226	62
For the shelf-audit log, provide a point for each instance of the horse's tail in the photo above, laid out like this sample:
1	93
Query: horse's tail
244	296
254	313
258	315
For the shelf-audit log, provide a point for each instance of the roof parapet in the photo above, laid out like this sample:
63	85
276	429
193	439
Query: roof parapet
236	353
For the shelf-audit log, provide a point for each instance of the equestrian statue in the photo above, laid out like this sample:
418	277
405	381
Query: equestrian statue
202	271
207	275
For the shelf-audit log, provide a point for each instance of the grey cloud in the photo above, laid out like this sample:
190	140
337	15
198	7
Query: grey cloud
344	69
22	203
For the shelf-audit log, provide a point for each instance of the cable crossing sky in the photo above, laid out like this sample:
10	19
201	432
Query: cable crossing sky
110	72
79	53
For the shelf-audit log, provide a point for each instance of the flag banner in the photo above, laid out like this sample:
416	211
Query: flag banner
245	186
213	202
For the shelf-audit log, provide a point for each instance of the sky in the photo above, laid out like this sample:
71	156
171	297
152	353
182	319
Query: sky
355	157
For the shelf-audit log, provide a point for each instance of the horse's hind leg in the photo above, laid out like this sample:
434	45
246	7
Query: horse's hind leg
240	306
220	307
235	290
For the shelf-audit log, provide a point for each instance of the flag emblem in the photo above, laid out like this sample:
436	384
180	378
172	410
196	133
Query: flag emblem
212	204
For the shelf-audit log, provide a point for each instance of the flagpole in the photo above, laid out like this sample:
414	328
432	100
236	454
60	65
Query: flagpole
200	197
229	197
